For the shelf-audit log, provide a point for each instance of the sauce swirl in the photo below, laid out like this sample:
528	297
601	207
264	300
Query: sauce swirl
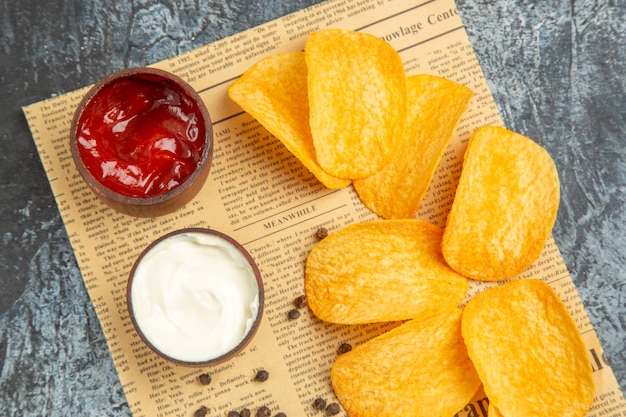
140	138
194	296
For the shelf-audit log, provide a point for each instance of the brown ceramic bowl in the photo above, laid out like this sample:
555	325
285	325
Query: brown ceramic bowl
142	139
195	297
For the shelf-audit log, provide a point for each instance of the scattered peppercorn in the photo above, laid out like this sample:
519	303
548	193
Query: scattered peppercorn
245	413
333	409
205	379
281	414
319	404
262	375
201	412
264	411
233	414
300	302
293	314
321	233
344	348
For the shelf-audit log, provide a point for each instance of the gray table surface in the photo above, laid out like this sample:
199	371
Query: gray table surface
557	70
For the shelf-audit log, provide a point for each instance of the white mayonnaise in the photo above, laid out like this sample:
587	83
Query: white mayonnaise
194	296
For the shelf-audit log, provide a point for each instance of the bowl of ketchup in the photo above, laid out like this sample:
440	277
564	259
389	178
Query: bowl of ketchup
142	139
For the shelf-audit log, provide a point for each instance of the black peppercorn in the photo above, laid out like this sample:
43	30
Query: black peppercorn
293	314
262	375
233	414
344	348
321	233
201	412
300	302
333	409
281	414
319	404
263	411
245	413
205	379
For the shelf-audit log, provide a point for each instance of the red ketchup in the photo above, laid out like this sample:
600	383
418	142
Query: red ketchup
140	138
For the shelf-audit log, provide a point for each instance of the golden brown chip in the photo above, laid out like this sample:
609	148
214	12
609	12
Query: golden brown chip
528	351
504	208
435	107
357	95
493	411
274	91
420	368
384	270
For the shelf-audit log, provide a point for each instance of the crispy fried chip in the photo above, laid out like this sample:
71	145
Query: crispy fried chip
493	411
274	92
357	96
527	350
504	208
435	107
420	368
384	270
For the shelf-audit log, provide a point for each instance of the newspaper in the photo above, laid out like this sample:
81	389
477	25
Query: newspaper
262	196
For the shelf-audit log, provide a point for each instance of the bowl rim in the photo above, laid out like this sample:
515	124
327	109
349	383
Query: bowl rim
153	74
261	297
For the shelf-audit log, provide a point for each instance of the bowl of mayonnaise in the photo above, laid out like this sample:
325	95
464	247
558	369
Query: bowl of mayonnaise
195	296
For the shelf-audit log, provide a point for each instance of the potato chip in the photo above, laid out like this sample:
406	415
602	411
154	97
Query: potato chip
504	208
383	270
435	107
274	92
528	351
493	411
357	96
420	368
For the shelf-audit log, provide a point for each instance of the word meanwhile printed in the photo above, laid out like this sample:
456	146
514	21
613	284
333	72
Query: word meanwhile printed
290	216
